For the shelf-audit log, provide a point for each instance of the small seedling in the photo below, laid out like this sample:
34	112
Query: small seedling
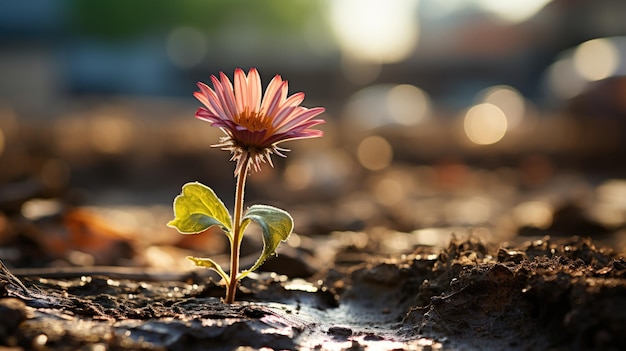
254	124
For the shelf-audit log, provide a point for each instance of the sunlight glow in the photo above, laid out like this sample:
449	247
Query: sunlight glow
384	104
513	11
590	61
596	59
533	213
509	100
485	124
324	168
38	208
563	79
610	209
407	104
375	30
473	210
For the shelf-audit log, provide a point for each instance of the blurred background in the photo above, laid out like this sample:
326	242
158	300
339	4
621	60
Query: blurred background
499	118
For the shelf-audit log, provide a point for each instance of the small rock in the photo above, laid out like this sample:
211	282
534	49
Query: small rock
340	331
373	337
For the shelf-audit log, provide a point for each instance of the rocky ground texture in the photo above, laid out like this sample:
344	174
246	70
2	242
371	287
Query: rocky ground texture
558	294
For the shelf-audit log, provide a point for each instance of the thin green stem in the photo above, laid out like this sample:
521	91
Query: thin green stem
237	234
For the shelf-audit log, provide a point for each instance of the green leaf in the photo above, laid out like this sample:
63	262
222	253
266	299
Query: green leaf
209	263
276	225
197	208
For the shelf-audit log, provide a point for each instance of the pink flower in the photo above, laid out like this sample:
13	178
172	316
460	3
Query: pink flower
254	124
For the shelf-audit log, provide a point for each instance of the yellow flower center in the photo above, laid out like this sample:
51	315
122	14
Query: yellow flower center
253	121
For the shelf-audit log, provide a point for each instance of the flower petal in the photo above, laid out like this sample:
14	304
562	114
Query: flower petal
206	115
294	120
229	96
254	90
253	121
277	100
241	90
272	90
219	92
305	134
294	100
208	97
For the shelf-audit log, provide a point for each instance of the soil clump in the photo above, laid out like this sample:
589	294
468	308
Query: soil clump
546	293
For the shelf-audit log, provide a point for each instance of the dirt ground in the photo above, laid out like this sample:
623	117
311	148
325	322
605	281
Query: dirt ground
556	294
441	256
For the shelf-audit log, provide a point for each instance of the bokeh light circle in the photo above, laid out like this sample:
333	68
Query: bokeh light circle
374	153
485	124
596	59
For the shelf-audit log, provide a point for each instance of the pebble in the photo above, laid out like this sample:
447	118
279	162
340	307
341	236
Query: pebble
338	330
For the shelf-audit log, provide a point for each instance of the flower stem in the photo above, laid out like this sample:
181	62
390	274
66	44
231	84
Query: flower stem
237	234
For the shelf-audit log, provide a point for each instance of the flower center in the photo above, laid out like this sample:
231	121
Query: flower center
253	121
